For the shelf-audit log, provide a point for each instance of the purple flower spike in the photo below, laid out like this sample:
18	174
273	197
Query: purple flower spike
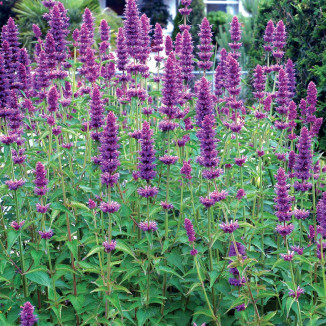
97	109
321	216
146	164
109	154
186	56
283	200
46	234
297	249
148	226
158	39
27	316
240	161
288	256
241	307
303	160
235	31
229	227
147	191
284	229
296	294
301	214
17	226
190	230
205	46
42	208
104	30
204	104
168	159
208	153
268	36
110	207
40	180
53	99
109	246
166	205
279	39
168	45
91	204
240	194
132	27
186	170
259	82
15	184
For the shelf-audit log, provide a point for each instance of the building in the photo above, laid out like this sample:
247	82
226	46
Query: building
234	7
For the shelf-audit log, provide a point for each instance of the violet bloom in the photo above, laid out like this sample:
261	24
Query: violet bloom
282	200
303	161
311	101
147	191
301	214
239	161
145	40
91	68
296	294
204	104
191	235
91	204
168	45
49	48
321	214
40	180
235	32
104	30
46	234
241	307
208	153
288	256
37	31
279	40
178	44
146	164
290	71
218	196
268	36
284	229
186	56
166	205
229	227
297	249
291	163
15	184
109	154
259	82
110	207
17	226
240	194
96	109
88	20
158	41
186	170
4	87
233	77
171	87
168	159
27	316
148	226
237	282
206	45
53	99
42	208
109	246
207	202
316	127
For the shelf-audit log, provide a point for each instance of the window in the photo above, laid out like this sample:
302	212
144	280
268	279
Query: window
116	5
230	6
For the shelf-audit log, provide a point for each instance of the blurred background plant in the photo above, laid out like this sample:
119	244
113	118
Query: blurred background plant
6	11
157	11
306	44
194	19
29	12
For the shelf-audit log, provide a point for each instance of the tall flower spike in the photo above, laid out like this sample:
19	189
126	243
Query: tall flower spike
311	101
41	77
88	20
40	180
290	71
321	214
282	200
144	42
104	30
4	87
235	32
206	45
279	40
206	135
178	44
268	36
27	316
146	164
168	45
171	87
53	97
132	27
50	50
191	235
97	109
186	57
122	52
259	82
204	104
109	154
303	161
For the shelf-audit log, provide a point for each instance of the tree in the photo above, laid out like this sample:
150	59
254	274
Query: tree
157	11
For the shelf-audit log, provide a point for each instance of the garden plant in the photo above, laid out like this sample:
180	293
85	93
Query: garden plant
129	197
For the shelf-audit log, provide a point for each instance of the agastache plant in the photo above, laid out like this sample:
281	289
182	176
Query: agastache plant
132	182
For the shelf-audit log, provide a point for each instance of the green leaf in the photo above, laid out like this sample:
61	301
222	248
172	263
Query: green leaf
39	277
168	270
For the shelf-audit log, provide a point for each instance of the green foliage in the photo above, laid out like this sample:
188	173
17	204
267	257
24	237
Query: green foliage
305	22
31	12
6	11
218	19
194	19
157	11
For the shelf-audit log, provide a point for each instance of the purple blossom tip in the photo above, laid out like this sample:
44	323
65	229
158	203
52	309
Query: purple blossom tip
109	246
